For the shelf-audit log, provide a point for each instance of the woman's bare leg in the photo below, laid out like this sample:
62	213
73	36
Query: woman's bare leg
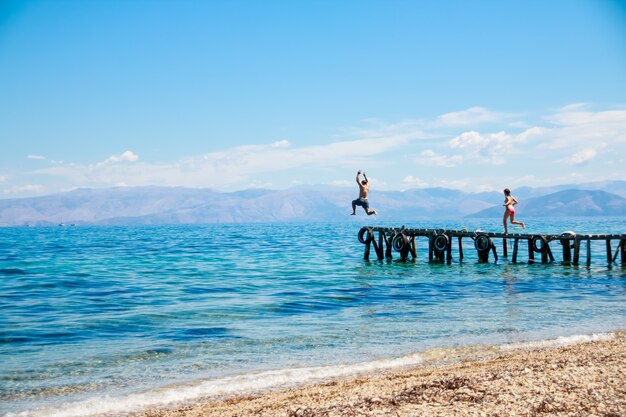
516	222
504	218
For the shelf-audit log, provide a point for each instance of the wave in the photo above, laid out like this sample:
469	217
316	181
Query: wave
258	382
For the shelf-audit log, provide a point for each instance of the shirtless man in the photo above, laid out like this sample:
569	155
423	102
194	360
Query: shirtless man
363	192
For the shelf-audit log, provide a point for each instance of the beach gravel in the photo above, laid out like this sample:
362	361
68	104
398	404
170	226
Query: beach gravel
586	379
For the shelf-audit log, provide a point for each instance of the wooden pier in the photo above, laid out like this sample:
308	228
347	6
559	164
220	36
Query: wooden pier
385	240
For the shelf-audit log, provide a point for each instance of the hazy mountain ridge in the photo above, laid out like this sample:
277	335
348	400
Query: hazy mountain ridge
174	205
566	203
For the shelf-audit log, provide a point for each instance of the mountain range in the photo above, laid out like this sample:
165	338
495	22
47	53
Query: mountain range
177	205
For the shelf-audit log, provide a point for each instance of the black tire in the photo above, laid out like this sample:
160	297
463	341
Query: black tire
483	243
538	243
362	237
440	242
398	243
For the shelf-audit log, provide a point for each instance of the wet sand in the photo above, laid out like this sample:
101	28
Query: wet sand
586	379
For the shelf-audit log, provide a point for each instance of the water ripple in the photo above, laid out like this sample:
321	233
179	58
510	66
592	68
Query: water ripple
98	310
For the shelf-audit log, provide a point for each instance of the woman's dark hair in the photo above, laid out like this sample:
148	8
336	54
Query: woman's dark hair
507	191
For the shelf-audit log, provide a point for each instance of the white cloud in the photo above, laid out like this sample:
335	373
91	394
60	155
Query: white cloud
573	107
593	141
471	116
232	168
613	118
3	178
430	158
463	184
572	128
520	124
410	129
491	147
341	183
36	157
281	144
258	185
414	182
27	188
127	156
582	156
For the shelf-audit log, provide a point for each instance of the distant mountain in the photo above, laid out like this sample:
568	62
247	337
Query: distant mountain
614	187
566	203
175	205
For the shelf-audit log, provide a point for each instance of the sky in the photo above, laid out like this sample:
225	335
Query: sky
231	95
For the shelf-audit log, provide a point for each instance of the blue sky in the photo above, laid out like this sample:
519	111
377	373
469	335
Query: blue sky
475	95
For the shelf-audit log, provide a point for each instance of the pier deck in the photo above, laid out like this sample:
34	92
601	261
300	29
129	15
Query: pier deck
385	240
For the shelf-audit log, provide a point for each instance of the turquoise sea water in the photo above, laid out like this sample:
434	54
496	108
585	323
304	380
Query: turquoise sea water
105	320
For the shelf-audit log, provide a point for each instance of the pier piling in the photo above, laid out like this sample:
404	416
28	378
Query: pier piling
515	247
404	241
531	252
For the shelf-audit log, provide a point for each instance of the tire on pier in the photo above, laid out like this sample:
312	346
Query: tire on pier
363	238
398	242
483	243
538	243
441	241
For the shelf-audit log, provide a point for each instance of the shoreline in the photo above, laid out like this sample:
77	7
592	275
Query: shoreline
582	379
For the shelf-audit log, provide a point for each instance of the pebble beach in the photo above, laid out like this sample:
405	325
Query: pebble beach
584	379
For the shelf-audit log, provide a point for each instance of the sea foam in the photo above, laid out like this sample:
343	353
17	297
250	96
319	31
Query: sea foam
258	382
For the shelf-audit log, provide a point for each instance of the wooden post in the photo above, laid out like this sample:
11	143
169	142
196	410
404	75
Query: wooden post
622	243
576	250
449	251
544	253
460	248
375	245
617	251
430	248
531	252
389	247
505	249
588	252
515	246
567	251
379	248
495	254
549	251
609	252
413	247
366	254
404	253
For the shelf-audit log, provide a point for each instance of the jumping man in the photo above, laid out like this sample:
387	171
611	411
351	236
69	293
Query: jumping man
363	192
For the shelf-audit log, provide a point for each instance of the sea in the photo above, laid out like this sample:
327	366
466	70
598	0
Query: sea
112	320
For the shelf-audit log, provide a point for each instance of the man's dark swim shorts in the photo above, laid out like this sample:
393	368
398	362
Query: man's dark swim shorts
361	202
